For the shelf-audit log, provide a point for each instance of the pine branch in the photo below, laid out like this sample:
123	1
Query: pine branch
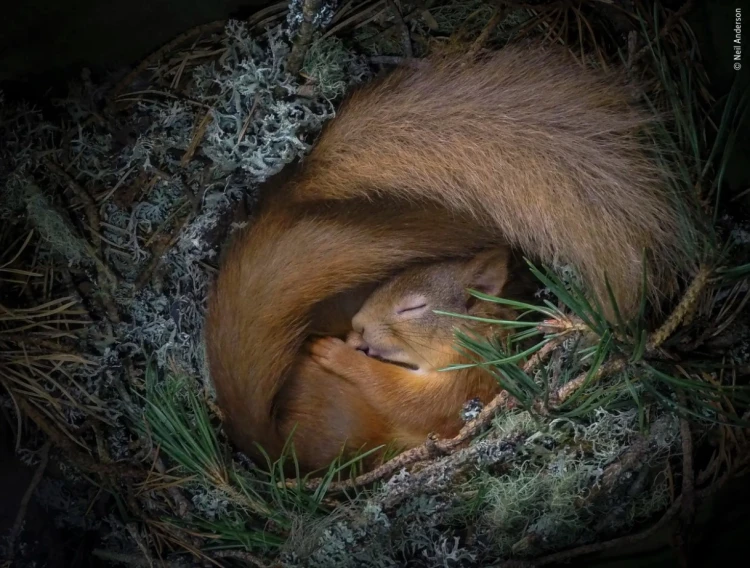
434	448
683	311
304	37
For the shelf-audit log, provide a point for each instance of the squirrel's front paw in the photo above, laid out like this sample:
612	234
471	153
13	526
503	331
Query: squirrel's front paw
333	354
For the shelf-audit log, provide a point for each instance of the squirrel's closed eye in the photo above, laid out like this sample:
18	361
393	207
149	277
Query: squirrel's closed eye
412	306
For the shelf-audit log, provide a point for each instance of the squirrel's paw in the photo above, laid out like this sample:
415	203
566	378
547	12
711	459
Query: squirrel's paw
332	354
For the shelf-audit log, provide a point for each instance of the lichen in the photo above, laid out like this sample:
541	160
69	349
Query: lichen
538	503
148	193
333	68
172	169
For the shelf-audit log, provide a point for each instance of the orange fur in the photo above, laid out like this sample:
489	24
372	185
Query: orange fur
397	324
524	147
265	385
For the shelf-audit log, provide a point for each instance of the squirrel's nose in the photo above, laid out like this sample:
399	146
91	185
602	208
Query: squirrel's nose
358	341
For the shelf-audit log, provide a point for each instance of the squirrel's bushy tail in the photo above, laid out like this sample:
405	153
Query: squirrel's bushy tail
551	154
280	268
429	162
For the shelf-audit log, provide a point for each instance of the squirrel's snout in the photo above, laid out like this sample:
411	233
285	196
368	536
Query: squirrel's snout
356	340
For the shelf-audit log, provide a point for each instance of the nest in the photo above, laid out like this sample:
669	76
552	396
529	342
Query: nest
115	204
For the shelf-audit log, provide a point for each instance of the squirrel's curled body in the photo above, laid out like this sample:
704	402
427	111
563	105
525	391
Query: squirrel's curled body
524	146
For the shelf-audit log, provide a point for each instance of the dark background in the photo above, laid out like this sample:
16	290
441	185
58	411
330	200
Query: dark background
44	43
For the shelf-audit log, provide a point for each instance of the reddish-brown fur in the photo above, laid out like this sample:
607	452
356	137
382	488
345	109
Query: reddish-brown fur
397	324
524	145
259	335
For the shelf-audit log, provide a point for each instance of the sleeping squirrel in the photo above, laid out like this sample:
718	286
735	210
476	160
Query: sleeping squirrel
522	147
398	345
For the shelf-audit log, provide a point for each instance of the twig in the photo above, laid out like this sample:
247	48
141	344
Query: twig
672	20
633	458
688	471
432	448
132	528
687	513
26	499
183	505
683	310
387	60
303	40
564	324
426	451
121	558
497	17
439	475
160	249
632	40
275	9
196	140
250	114
101	446
540	356
607	369
137	96
405	37
132	559
107	279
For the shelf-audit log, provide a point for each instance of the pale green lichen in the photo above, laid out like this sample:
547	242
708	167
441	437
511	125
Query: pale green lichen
471	17
333	68
546	502
54	229
521	489
539	503
259	125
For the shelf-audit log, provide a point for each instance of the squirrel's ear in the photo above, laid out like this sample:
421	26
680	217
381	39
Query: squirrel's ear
488	271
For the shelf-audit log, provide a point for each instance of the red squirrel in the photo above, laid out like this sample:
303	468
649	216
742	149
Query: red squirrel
398	350
522	147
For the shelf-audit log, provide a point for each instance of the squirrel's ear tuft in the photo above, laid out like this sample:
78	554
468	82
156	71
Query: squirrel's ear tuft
488	273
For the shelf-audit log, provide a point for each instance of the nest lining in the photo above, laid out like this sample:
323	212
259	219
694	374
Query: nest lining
113	223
